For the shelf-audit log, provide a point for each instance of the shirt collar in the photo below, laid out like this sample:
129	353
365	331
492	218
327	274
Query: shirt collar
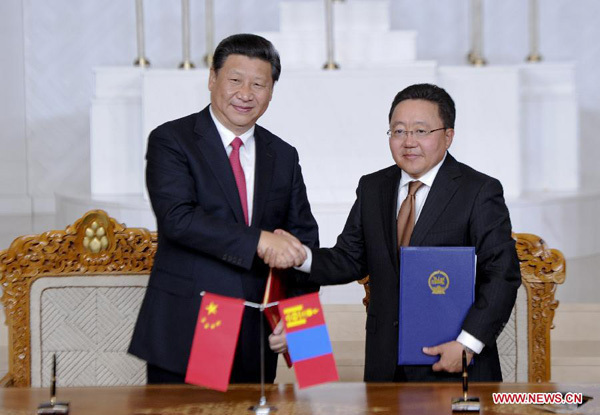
228	136
427	179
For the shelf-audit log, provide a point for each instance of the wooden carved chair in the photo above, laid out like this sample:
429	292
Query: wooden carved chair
75	293
524	345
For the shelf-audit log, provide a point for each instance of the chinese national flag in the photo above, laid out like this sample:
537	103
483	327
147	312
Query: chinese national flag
215	339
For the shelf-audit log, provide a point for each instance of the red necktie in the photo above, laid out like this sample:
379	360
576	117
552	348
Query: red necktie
238	173
406	216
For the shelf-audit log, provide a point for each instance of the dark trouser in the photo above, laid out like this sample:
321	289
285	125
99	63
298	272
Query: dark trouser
485	368
157	375
424	373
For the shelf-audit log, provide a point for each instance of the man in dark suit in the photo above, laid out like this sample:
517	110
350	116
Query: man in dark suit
219	185
453	205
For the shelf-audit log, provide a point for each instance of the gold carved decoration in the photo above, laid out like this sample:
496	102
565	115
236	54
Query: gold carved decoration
541	270
365	283
95	239
94	244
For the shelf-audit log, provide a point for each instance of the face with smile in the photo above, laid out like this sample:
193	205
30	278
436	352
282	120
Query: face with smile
417	156
240	92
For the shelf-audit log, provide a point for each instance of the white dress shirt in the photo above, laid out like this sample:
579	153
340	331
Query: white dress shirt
427	179
423	191
247	156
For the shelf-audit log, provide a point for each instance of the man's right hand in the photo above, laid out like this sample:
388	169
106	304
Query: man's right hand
281	250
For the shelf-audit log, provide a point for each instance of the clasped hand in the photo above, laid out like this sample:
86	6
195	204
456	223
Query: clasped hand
277	339
280	249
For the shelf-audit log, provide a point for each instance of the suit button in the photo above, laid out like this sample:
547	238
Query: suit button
396	323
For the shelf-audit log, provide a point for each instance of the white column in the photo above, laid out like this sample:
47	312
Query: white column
185	35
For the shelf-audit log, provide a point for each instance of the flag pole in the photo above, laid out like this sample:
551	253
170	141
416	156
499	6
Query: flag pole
262	408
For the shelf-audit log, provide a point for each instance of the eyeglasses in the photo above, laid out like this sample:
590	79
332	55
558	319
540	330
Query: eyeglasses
420	133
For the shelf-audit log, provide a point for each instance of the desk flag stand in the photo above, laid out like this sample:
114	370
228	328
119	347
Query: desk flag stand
199	377
263	408
217	330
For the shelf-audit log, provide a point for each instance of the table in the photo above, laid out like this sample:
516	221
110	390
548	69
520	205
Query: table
330	399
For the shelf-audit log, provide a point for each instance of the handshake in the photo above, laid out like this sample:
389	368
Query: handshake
280	249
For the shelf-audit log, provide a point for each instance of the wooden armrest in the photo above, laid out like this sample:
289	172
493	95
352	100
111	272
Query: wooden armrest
7	381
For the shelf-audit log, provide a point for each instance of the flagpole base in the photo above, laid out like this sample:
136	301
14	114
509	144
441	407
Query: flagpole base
262	409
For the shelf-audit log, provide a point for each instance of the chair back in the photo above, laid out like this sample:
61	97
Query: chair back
76	294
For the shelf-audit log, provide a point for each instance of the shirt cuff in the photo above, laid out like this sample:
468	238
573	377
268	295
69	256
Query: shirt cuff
470	342
306	266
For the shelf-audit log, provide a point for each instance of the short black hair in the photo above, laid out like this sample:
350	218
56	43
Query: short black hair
432	93
252	46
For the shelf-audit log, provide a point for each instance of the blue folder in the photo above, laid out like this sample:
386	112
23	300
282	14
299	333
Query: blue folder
437	289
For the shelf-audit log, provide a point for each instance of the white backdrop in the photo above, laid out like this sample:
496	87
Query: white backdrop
48	49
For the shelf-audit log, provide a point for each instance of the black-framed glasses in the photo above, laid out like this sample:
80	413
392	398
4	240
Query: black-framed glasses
418	133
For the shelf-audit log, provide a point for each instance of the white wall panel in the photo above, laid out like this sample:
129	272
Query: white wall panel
13	154
60	41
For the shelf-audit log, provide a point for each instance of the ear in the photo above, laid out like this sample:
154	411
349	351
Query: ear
271	93
212	79
449	136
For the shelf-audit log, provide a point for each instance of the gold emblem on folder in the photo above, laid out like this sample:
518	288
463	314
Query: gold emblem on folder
438	282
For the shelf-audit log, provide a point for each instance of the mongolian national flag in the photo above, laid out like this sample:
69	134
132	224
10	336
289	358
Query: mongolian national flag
308	340
213	348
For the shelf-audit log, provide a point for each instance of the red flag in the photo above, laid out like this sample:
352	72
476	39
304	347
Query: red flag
213	348
308	340
275	291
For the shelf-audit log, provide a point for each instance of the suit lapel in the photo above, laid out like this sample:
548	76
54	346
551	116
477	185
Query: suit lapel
443	188
263	173
389	196
211	148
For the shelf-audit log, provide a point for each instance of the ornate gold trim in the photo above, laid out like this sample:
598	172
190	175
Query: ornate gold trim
541	270
365	283
63	253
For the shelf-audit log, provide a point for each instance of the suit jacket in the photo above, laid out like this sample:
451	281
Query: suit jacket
463	208
203	241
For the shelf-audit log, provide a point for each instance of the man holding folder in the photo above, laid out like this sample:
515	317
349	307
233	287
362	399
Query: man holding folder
426	199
